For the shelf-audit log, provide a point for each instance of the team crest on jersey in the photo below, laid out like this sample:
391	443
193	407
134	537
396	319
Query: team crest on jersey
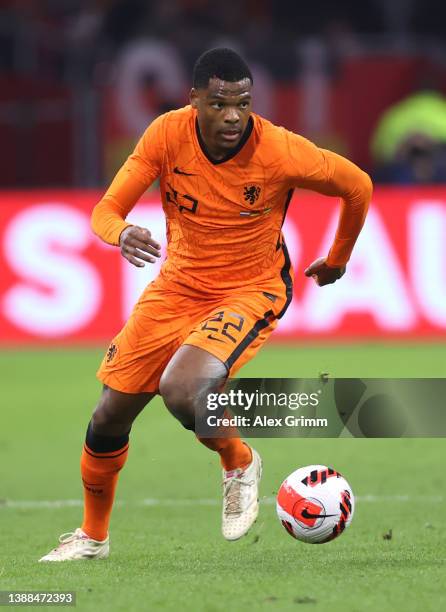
111	353
251	193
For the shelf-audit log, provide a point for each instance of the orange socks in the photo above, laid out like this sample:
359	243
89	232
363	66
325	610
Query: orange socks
234	453
103	458
100	472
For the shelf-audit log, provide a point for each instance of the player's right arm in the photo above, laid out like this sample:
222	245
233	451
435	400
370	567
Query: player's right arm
108	219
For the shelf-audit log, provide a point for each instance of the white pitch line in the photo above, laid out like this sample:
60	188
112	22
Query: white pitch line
35	504
151	502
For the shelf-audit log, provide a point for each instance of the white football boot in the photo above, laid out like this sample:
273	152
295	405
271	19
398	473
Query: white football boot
241	498
78	545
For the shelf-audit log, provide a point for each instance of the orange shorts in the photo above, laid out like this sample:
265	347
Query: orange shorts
232	328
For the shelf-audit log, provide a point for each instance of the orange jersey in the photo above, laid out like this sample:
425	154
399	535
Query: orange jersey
224	218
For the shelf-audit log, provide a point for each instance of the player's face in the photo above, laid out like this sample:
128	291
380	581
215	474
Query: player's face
223	110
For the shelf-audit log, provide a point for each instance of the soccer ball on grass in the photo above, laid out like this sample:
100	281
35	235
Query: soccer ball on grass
315	504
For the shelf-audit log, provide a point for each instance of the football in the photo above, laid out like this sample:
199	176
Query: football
315	504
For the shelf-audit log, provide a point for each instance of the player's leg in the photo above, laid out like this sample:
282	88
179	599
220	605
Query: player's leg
228	337
103	456
190	375
130	371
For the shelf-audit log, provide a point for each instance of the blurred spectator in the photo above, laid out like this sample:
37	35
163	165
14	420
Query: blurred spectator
409	144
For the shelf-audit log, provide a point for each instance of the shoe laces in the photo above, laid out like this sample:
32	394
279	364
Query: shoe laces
70	537
232	487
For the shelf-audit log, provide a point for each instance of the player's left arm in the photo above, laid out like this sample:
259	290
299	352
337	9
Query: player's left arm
331	174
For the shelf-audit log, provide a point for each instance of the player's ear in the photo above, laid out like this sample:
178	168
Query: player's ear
193	97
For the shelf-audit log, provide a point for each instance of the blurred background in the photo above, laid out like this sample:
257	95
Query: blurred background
81	79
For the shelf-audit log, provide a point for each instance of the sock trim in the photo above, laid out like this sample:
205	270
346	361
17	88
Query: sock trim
117	453
97	443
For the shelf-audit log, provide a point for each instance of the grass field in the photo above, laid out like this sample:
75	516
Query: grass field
167	552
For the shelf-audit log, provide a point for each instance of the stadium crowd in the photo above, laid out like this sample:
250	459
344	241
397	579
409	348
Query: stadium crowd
83	46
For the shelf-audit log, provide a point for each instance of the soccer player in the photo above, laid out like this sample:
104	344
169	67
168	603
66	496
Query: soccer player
226	179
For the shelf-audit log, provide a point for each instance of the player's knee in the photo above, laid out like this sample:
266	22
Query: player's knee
106	420
101	421
179	399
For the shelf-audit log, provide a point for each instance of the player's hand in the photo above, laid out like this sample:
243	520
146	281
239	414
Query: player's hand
323	274
137	244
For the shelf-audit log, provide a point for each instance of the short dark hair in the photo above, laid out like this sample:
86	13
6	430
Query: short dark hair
222	63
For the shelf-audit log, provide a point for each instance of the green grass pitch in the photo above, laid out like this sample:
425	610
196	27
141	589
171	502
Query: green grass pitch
167	552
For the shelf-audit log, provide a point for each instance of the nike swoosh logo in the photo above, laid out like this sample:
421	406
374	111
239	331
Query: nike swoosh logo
309	515
214	338
176	170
